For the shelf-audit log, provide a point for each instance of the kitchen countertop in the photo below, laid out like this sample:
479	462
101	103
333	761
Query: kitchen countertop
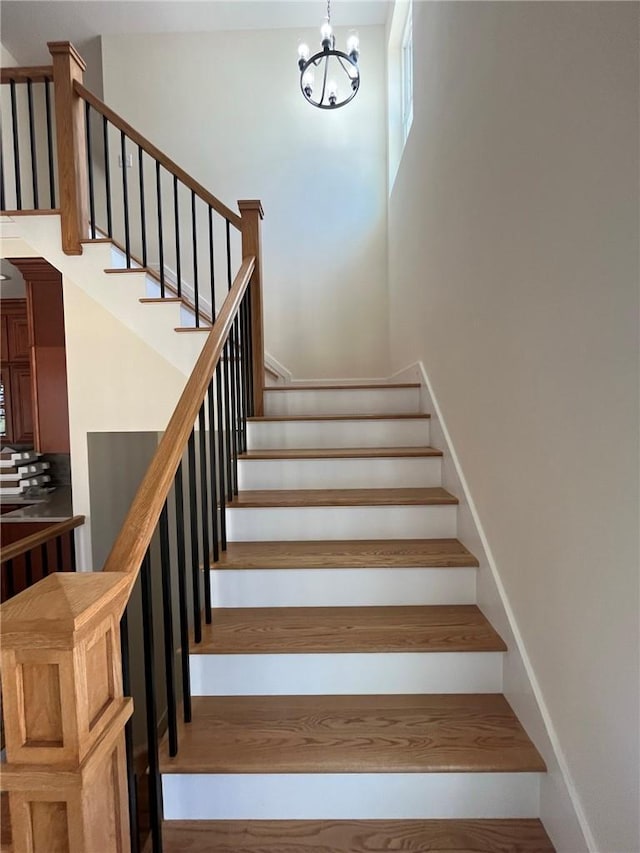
55	506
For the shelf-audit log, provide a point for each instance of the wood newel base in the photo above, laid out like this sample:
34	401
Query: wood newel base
65	714
252	215
71	147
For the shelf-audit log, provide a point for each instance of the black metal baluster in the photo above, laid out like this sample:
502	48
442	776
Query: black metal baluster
249	349
28	569
228	253
107	175
204	502
72	546
160	241
143	217
155	788
125	197
32	146
132	781
240	430
234	412
167	622
245	375
59	558
177	224
211	267
195	257
52	178
227	421
221	466
213	474
92	204
16	145
11	583
44	558
182	597
3	200
193	527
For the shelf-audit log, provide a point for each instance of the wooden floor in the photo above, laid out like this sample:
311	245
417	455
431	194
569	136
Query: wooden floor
342	453
353	734
356	836
342	497
290	630
346	554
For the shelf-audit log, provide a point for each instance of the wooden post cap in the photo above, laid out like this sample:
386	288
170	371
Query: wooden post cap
251	204
65	47
59	609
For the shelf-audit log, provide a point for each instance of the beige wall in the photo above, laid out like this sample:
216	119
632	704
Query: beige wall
227	106
513	258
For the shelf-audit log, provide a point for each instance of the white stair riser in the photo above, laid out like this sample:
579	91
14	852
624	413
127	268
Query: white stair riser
333	401
346	673
341	522
369	473
117	259
325	796
262	435
341	587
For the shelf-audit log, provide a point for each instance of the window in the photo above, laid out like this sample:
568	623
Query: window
407	75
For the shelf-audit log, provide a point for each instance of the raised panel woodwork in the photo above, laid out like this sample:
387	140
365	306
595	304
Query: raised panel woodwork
21	403
18	336
100	685
42	720
4	344
49	827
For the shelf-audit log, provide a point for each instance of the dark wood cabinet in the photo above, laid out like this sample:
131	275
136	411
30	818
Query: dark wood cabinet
16	373
21	404
33	338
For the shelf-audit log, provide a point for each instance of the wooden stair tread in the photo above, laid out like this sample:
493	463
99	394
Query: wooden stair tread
342	453
376	386
434	495
310	630
358	553
391	417
441	733
355	836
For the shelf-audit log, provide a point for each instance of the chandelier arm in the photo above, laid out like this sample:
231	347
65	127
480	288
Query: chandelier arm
324	79
341	61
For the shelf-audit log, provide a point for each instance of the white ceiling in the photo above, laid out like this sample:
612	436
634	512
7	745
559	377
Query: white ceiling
27	25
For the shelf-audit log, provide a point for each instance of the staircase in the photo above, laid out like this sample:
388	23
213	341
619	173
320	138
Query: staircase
347	694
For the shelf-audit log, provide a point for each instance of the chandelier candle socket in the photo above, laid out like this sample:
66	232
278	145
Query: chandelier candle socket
327	95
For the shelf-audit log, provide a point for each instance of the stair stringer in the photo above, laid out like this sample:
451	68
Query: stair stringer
560	807
39	236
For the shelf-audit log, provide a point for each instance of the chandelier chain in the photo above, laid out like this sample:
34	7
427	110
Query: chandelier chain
328	11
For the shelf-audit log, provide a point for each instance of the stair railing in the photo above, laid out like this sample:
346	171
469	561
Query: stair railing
78	762
27	145
26	561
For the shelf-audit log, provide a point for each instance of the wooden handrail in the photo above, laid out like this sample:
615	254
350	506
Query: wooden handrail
37	74
16	549
158	155
129	549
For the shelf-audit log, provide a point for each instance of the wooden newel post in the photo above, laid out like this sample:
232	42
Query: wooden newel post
65	714
69	66
252	214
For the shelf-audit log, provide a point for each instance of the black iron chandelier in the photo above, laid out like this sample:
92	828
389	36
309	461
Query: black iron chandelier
329	94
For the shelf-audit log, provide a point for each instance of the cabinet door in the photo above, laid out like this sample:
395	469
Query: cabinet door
18	337
22	404
3	339
6	414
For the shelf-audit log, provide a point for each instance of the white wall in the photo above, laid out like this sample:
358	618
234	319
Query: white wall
513	258
227	106
116	383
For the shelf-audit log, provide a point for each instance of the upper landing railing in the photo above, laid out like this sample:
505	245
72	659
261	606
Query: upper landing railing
77	645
